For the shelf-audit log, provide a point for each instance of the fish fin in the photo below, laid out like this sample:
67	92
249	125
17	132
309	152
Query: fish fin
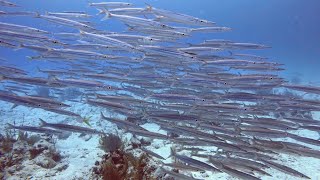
53	78
30	58
231	53
103	116
86	120
39	70
14	106
172	152
108	14
82	32
149	7
82	134
130	27
42	122
37	15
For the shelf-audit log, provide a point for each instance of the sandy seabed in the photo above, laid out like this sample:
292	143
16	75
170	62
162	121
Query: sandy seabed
80	154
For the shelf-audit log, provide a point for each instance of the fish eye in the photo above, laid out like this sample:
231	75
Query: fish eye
39	105
271	78
225	83
203	100
109	87
201	21
245	109
55	42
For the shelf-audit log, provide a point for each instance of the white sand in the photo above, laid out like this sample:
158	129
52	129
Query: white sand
80	155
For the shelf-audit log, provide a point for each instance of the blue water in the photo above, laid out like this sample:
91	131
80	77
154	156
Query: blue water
291	27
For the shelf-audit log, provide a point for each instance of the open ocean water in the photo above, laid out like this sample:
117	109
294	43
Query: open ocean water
165	89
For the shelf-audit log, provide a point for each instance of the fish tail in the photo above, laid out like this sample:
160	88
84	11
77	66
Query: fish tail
43	123
149	7
172	152
86	120
2	77
30	58
102	116
108	14
10	126
100	11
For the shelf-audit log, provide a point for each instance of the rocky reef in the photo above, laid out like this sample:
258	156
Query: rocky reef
23	156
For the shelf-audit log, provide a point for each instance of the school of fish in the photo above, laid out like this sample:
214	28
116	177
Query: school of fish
203	94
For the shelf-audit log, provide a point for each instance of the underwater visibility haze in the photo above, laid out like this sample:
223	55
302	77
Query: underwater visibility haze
164	89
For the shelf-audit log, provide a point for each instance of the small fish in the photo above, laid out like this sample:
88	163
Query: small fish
69	14
136	21
110	4
232	172
7	3
193	162
70	128
170	16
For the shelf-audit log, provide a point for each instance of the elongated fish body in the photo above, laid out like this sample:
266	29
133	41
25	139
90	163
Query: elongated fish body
128	11
20	28
71	128
7	3
232	172
69	15
194	162
67	22
110	4
177	17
